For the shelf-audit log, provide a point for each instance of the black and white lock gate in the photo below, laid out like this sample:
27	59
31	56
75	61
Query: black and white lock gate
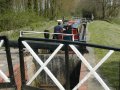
7	81
23	43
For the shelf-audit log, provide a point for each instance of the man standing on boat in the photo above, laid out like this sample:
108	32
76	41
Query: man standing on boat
58	29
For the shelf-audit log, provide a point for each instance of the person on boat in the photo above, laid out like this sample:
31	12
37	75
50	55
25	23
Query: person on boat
58	29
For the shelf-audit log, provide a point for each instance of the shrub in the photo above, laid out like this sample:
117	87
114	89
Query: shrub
13	20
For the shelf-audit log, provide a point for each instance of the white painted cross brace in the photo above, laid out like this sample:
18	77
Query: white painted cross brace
92	70
4	76
95	68
6	79
43	65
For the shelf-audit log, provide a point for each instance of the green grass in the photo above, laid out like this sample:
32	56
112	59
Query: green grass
108	34
38	26
115	20
11	23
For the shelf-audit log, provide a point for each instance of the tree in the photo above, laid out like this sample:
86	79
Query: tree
113	8
101	9
35	5
29	5
5	5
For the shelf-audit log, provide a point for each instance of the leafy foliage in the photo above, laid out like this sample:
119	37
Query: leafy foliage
12	20
4	5
101	9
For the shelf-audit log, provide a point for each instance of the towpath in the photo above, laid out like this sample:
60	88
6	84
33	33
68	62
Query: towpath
91	83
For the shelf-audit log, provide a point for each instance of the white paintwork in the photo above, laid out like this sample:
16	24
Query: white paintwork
92	70
6	79
44	67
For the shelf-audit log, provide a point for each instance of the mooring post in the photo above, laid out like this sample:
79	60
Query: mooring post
67	67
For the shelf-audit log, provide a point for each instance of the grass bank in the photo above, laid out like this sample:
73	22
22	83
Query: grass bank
39	26
104	33
11	23
115	20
